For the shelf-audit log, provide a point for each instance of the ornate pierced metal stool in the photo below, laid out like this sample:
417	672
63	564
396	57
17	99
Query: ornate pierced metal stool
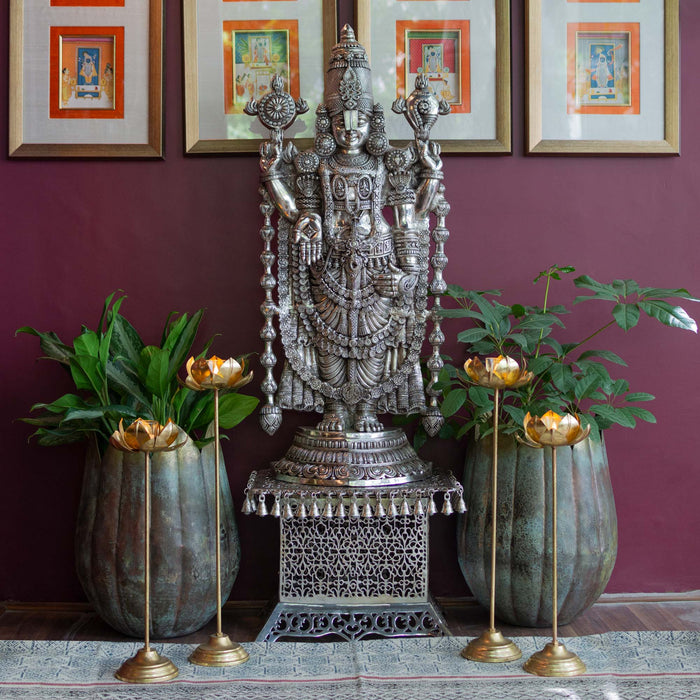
353	561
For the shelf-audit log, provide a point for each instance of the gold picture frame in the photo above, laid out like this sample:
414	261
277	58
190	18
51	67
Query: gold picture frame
231	50
609	83
451	40
72	92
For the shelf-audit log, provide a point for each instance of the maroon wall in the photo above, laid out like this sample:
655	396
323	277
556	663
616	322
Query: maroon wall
182	233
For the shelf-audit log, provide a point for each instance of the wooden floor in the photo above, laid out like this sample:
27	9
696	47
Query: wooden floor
242	621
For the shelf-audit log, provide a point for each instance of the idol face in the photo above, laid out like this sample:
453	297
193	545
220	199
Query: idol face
353	138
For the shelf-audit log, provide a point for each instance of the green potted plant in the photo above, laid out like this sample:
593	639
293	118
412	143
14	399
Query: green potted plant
119	377
569	377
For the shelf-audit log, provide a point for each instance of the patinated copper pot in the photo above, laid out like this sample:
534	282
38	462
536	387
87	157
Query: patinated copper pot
110	531
587	529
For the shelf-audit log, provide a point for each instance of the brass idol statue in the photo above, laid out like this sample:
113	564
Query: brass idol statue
352	287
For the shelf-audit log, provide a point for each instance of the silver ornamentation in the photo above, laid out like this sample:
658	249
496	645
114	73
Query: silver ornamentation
353	293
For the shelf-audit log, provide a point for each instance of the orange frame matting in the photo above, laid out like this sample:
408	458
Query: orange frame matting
462	26
290	26
631	28
56	111
87	3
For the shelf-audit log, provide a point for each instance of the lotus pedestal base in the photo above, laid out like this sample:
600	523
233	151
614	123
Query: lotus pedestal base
554	660
491	647
147	666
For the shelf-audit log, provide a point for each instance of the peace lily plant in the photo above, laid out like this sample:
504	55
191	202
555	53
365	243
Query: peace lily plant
117	376
567	377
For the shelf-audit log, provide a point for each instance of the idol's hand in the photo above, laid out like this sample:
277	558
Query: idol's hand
270	157
429	154
308	233
394	282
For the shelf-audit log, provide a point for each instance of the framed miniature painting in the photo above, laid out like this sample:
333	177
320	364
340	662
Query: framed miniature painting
232	50
602	76
86	78
462	47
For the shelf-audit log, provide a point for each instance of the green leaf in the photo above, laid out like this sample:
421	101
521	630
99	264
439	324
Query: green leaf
456	292
625	288
660	293
602	291
125	383
106	339
517	310
105	309
201	412
620	387
62	404
614	415
85	370
539	365
87	343
472	335
453	402
51	437
156	377
126	342
639	396
98	413
586	386
673	316
182	348
480	396
462	313
603	355
642	413
562	376
174	333
233	408
626	315
539	321
50	344
515	412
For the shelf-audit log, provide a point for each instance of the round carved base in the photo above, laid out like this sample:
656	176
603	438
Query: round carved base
351	459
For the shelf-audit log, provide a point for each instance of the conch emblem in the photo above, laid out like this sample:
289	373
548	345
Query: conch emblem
422	108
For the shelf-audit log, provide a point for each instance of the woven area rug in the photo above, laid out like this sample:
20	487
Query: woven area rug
621	666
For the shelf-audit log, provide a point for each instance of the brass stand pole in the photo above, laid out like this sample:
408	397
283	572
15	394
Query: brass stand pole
217	486
492	646
147	553
219	650
555	597
147	666
555	659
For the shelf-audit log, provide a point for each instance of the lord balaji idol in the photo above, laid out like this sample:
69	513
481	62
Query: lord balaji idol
360	231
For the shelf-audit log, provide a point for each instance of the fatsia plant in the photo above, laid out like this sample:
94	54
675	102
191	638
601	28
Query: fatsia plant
569	377
117	376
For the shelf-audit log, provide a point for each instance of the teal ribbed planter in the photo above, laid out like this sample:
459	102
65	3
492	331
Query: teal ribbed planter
587	529
109	539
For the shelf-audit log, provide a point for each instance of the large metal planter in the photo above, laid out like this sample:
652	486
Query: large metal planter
587	529
109	541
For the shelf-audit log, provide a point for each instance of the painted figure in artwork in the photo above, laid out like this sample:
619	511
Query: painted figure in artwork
87	69
108	82
67	84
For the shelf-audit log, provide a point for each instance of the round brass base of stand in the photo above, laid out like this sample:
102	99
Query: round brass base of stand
147	666
554	660
219	651
491	647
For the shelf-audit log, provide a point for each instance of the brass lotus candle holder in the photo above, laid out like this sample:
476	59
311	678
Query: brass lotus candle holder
215	374
147	436
554	431
495	373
